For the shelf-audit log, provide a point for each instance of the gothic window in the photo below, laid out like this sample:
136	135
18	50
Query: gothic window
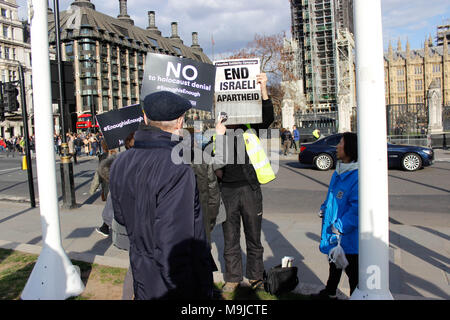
418	70
418	85
401	86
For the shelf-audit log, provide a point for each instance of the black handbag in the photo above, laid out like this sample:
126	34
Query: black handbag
280	280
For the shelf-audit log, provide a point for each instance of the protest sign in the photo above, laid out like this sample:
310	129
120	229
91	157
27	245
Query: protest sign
237	92
190	79
116	125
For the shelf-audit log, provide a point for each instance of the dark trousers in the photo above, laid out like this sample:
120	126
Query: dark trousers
335	275
242	202
286	145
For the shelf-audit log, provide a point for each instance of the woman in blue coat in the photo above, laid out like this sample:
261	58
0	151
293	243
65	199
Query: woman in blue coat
339	215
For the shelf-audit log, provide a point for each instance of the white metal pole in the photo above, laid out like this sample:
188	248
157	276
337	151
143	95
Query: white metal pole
372	154
53	276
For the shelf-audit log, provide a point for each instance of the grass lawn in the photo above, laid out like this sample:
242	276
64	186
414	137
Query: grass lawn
101	282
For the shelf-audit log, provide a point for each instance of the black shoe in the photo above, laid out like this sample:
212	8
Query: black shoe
257	285
103	230
323	295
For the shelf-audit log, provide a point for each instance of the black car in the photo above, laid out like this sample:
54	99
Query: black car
322	154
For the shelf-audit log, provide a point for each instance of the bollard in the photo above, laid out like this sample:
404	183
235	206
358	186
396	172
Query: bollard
24	163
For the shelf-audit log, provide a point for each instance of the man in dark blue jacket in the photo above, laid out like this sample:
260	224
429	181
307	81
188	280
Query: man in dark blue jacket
157	201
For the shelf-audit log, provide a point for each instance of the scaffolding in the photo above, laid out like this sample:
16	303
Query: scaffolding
313	25
443	32
345	64
323	30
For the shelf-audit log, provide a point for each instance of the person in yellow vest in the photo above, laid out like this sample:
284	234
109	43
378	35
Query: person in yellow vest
241	193
316	134
22	145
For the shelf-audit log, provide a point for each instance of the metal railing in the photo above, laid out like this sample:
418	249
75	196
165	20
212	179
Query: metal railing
415	140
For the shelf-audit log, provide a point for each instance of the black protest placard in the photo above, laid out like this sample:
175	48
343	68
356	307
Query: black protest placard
116	125
190	79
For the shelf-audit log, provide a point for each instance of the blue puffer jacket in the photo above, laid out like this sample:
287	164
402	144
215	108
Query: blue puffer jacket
341	209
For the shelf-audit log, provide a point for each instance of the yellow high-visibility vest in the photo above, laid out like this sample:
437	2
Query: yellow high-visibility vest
316	134
258	157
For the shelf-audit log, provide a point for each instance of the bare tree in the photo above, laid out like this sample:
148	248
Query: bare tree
275	60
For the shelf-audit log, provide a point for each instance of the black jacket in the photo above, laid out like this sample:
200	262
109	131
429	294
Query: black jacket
158	203
248	170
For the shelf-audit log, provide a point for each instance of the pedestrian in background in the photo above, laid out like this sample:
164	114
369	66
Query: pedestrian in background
316	133
98	181
296	137
78	144
103	172
71	146
86	145
287	140
93	143
339	215
2	145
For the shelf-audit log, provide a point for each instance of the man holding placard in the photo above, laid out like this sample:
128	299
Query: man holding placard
249	167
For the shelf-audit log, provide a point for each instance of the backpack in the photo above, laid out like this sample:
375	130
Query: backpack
280	280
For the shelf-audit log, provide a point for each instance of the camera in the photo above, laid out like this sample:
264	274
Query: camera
222	116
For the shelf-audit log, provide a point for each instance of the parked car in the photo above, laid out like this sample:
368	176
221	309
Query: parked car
322	154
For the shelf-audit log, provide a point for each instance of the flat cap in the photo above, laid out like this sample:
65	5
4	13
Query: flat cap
165	106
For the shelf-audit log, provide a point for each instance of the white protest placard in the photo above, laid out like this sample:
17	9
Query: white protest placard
237	92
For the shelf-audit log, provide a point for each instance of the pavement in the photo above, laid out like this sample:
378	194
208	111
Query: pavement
419	266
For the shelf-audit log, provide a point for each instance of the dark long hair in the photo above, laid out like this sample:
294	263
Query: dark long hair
351	145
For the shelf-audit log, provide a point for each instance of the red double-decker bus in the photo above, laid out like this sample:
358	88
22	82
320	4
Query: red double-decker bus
84	122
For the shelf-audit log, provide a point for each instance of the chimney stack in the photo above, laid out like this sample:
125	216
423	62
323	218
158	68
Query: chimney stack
83	3
123	16
175	35
174	30
195	44
152	23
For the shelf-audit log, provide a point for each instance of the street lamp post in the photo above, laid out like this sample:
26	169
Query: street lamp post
373	281
93	113
53	276
66	166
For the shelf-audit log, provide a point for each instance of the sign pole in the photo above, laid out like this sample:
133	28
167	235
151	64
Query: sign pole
53	276
27	137
372	154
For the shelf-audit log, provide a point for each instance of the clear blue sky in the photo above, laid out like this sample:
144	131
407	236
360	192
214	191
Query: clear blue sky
233	23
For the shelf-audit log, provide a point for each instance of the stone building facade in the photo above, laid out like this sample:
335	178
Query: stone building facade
409	73
108	54
15	49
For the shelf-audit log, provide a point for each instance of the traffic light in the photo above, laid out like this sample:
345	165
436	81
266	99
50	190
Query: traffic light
10	93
